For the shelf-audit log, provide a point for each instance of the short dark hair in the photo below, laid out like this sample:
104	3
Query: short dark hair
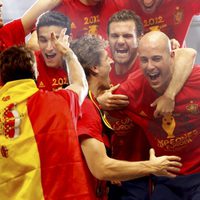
53	18
16	63
88	50
126	15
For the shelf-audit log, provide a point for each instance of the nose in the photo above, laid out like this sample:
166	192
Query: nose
49	46
121	40
150	65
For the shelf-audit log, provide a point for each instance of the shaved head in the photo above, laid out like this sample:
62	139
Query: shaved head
156	59
155	39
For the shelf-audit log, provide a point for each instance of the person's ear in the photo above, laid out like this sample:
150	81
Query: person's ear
94	70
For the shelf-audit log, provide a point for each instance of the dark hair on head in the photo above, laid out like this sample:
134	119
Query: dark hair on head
126	15
88	50
16	63
52	18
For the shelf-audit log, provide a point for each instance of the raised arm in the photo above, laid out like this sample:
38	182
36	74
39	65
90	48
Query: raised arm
39	7
184	61
106	168
77	78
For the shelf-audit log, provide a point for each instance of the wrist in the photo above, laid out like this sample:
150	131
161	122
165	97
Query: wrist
68	54
170	95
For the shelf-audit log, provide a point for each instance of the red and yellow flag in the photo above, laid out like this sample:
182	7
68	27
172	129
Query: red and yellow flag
40	158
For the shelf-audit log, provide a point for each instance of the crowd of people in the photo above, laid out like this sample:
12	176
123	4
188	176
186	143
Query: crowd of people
100	103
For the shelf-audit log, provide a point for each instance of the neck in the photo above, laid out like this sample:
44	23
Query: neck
122	69
96	87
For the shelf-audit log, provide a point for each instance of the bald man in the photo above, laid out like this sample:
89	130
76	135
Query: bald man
175	133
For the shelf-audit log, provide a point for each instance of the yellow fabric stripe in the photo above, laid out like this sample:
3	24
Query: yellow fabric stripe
20	177
103	116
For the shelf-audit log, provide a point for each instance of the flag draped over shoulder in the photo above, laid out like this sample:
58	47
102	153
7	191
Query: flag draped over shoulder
40	158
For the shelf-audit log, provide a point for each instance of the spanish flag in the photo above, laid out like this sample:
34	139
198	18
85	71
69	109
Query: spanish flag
40	158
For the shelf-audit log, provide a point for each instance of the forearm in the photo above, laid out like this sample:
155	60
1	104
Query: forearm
76	74
105	168
184	61
112	169
39	7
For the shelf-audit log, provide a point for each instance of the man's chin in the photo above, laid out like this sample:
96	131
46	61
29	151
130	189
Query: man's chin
52	65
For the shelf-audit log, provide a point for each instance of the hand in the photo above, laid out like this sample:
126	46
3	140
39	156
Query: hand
62	43
164	105
109	101
165	165
175	44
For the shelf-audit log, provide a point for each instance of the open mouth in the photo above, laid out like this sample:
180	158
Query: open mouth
153	75
50	55
121	51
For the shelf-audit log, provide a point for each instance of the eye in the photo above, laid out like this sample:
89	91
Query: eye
114	36
143	60
128	36
157	58
42	40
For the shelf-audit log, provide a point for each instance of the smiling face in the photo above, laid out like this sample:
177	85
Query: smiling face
123	42
51	56
149	6
1	17
156	61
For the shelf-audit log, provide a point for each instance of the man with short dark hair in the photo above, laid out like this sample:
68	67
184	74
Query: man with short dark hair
51	67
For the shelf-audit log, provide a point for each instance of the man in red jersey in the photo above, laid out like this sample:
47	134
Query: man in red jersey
172	17
94	130
51	67
40	153
174	133
124	31
14	32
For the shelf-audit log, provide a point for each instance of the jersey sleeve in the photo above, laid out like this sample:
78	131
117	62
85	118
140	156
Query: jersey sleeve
90	125
11	34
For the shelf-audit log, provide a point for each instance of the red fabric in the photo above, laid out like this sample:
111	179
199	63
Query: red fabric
185	136
62	170
12	34
172	17
86	18
128	141
49	78
90	125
